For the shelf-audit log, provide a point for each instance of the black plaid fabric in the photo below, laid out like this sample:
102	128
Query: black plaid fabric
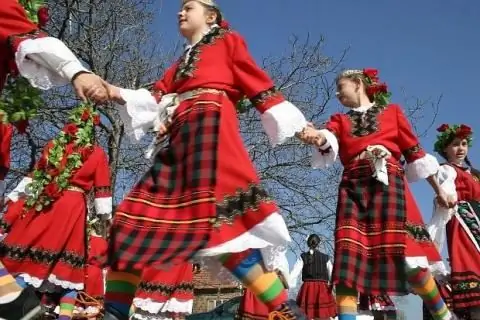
168	215
370	231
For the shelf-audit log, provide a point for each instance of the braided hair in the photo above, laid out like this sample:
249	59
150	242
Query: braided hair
475	172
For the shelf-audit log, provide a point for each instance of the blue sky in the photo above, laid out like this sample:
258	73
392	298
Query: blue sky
427	48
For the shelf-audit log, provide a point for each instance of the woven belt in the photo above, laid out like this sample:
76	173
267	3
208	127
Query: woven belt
194	93
76	189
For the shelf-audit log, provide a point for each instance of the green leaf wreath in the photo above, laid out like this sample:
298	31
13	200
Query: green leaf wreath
20	101
66	154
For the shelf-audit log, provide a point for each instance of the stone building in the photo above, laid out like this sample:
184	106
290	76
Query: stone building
211	292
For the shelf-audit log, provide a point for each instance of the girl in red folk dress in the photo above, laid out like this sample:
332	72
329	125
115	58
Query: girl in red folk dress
202	197
45	247
164	294
315	296
461	183
381	243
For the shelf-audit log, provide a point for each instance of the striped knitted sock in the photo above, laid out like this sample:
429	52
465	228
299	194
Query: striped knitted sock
423	284
21	282
67	304
346	302
9	289
249	268
120	291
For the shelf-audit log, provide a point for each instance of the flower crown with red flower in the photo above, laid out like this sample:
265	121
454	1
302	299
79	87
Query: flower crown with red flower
64	156
448	133
377	91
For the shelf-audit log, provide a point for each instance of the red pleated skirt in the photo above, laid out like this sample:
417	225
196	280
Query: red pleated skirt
315	298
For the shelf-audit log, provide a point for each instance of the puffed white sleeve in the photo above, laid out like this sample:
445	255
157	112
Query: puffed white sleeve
47	62
295	274
441	216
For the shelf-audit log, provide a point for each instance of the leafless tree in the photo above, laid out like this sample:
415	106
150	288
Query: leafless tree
113	39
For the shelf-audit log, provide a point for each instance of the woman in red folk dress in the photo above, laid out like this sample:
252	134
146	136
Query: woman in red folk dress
202	197
315	296
164	294
381	243
45	247
461	183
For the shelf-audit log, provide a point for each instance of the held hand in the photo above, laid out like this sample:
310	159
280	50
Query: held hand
114	94
442	200
163	130
451	201
90	86
310	135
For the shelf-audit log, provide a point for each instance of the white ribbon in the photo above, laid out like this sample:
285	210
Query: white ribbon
167	106
378	154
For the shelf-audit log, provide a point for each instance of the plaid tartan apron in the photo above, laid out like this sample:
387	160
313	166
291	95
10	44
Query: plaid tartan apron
168	215
370	231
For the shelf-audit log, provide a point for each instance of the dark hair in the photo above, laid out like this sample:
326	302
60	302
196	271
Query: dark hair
313	241
475	172
447	143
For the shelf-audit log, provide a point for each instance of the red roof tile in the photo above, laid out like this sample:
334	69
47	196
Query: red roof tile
204	280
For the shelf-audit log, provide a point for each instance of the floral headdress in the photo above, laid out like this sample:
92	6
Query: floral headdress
36	11
65	155
447	133
20	101
377	91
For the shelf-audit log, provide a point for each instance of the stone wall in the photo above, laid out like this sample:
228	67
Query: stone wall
208	301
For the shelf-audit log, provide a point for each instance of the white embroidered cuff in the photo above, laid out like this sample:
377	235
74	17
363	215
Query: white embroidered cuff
103	206
139	112
422	168
282	121
329	151
47	62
